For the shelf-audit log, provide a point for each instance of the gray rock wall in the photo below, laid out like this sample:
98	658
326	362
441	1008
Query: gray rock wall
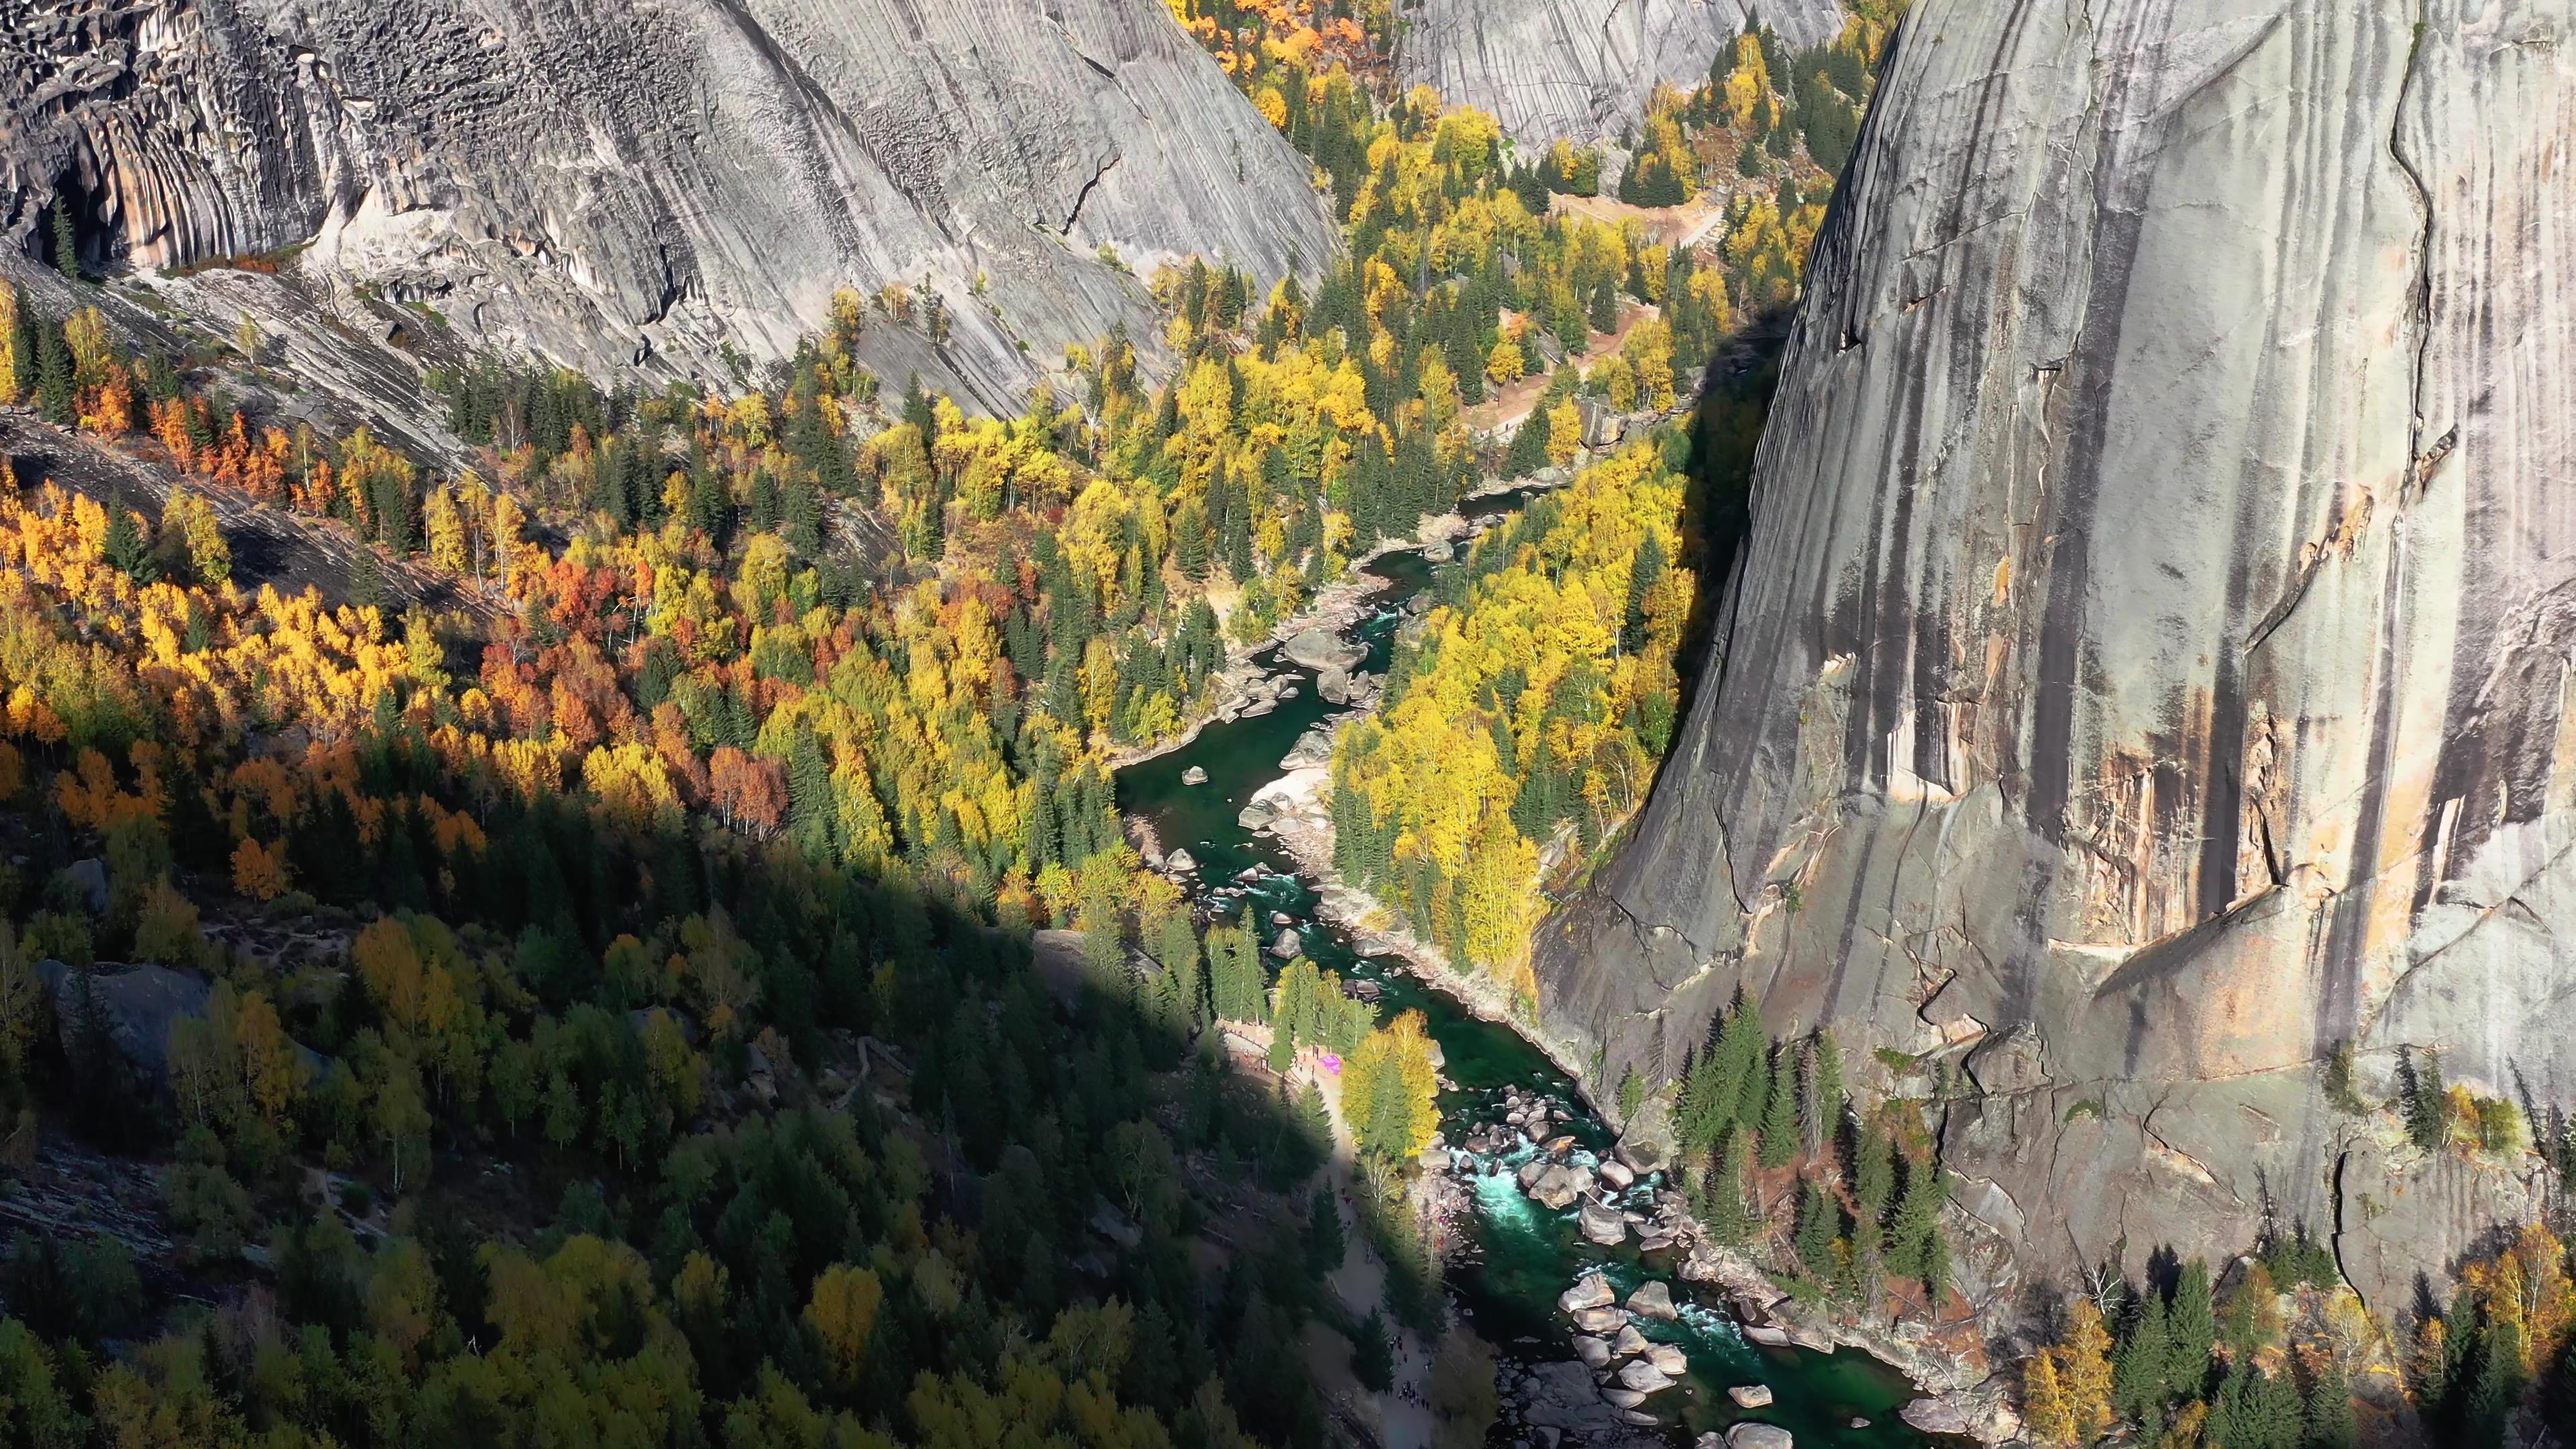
2150	663
608	182
1582	69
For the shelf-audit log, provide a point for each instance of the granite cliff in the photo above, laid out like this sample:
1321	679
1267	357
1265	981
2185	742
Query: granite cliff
1582	69
653	184
2149	664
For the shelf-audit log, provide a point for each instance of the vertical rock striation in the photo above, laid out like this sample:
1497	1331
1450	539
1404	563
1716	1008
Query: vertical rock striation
2150	663
1582	69
604	182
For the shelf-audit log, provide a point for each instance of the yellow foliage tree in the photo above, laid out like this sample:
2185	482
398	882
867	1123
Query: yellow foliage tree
1390	1090
259	871
843	1313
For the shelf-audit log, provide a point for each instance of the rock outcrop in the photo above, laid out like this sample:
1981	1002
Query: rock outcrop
1582	69
682	182
2149	665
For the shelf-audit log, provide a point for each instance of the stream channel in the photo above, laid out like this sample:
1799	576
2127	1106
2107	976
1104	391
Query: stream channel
1515	1256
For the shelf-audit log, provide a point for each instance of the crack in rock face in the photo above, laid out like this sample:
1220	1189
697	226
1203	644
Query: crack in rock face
613	185
2154	636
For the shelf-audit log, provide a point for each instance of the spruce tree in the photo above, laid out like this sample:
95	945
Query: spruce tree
2193	1330
1780	1114
54	393
1819	1222
2142	1371
66	242
1873	1178
366	580
1326	1241
2330	1423
125	549
1722	1209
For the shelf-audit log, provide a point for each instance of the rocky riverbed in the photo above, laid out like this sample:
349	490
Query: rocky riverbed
1618	1200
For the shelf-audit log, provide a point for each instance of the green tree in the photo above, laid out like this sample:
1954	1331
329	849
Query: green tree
1326	1242
1373	1354
1780	1115
66	242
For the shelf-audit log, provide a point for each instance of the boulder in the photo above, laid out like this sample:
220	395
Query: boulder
1617	1174
1629	1343
1438	551
1758	1436
1644	1377
1668	1357
1601	1320
1319	648
1766	1335
1750	1396
1653	1299
1255	815
1592	1350
1623	1398
88	878
1286	945
1602	1225
1590	1291
134	1007
1181	861
1194	776
1556	1187
1333	683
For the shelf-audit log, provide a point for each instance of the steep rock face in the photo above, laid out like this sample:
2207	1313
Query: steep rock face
606	182
2150	663
1582	69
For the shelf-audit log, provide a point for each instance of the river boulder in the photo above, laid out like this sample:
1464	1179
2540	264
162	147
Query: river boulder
1758	1436
1617	1174
1194	776
1668	1357
1590	1291
1320	648
1592	1349
1644	1377
1629	1343
1601	1320
1603	1225
1181	861
1653	1299
1750	1396
1286	946
1558	1186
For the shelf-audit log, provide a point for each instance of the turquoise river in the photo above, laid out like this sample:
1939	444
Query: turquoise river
1519	1256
